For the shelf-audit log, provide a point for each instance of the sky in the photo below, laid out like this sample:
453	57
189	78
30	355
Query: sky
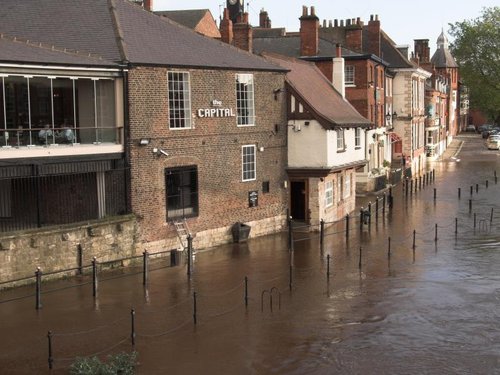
402	20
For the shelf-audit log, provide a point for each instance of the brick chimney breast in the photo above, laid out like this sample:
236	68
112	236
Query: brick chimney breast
373	34
226	28
243	34
309	33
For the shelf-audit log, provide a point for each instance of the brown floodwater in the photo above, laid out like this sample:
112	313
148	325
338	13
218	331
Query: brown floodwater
432	308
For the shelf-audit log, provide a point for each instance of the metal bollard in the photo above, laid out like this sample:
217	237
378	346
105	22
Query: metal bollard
474	220
347	227
414	237
376	209
459	193
51	359
38	288
491	216
470	205
456	226
471	190
477	188
487	183
145	262
360	256
79	250
328	266
246	291
132	326
435	233
384	200
361	214
389	248
434	194
290	234
194	308
94	276
190	254
321	231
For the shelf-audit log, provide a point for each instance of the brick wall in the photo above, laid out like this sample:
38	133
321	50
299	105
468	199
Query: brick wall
213	146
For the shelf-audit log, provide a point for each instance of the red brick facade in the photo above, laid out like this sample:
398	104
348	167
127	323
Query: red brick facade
213	145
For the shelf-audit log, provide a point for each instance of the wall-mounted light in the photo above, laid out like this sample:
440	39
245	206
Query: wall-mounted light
159	152
276	92
144	141
261	149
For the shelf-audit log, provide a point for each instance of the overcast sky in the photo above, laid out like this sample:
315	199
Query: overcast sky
402	20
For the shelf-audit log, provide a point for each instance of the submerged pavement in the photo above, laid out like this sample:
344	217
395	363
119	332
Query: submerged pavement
417	291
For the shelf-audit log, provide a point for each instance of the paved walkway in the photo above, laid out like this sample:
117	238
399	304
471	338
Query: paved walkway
453	148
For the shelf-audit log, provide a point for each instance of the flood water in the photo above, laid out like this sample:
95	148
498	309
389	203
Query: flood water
431	309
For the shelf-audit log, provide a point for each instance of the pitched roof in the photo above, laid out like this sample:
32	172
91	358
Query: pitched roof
15	50
307	81
391	54
289	45
120	31
443	58
189	18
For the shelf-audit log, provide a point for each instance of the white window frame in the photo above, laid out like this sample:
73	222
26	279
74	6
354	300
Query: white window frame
340	139
350	74
357	137
248	167
183	104
329	193
245	100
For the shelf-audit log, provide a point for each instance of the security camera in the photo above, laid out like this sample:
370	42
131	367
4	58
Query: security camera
163	152
159	151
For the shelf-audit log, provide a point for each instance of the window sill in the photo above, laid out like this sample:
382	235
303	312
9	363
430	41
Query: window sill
341	151
357	148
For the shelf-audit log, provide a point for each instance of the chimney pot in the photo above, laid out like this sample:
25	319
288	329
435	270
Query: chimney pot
336	23
371	17
338	50
313	11
324	23
358	20
304	10
376	17
330	23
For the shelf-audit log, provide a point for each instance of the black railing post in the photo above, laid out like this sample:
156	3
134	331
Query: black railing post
470	205
369	214
145	266
94	276
38	286
389	248
360	256
328	266
491	216
189	254
474	220
321	231
290	234
471	190
132	326
246	291
361	214
435	194
435	233
194	308
456	226
477	188
414	238
51	359
79	251
487	183
459	193
347	227
376	209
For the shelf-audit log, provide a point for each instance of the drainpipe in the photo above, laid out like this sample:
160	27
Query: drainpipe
126	137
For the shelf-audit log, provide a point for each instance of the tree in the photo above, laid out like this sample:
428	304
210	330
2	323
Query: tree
476	48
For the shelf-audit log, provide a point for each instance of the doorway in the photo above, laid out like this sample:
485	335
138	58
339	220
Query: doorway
298	200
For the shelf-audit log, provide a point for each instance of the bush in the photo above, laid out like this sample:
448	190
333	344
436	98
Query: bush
121	363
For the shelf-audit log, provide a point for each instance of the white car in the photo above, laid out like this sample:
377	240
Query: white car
493	142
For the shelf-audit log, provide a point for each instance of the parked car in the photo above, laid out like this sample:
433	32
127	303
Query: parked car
470	128
493	142
486	129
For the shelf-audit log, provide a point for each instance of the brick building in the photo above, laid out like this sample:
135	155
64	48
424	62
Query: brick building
110	121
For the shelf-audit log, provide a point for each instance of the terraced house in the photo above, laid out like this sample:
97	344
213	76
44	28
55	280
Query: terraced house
119	126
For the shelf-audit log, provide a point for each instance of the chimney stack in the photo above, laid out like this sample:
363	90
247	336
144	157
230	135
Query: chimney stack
338	74
226	28
422	49
243	33
354	34
148	5
309	33
264	20
373	33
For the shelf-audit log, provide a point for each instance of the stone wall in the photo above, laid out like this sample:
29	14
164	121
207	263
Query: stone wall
54	249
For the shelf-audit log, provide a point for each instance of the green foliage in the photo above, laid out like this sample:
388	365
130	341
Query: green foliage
476	48
122	363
